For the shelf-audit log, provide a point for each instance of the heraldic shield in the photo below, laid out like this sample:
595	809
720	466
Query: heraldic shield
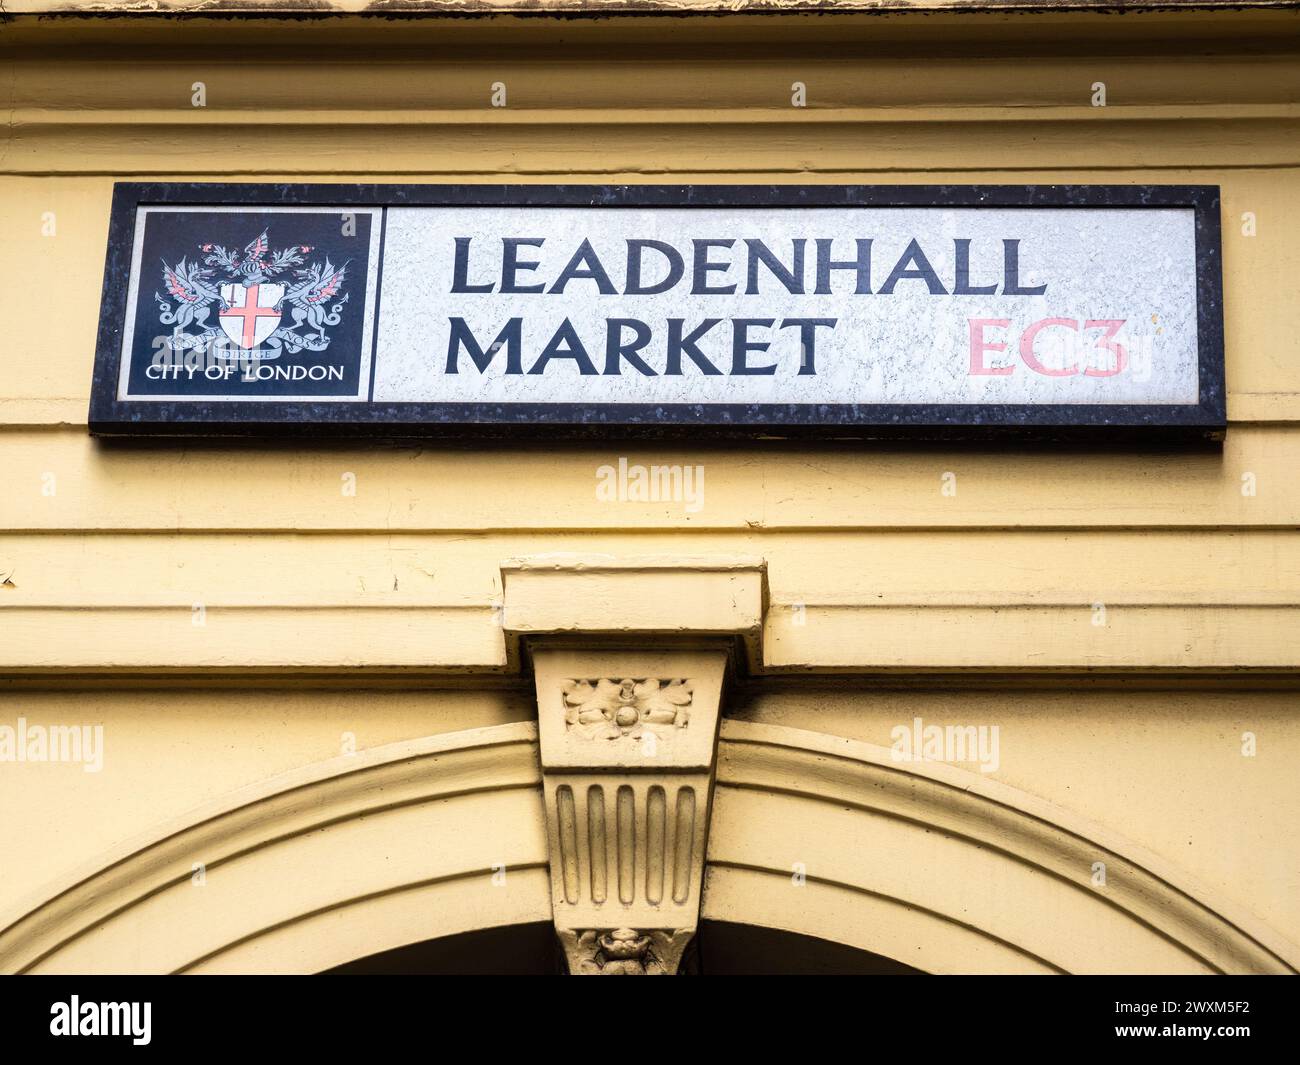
251	312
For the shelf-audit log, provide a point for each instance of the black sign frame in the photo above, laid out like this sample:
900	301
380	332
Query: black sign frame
1205	420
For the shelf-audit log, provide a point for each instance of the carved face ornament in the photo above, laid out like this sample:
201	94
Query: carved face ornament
624	943
625	951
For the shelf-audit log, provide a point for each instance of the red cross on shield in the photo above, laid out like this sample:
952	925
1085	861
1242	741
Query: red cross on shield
251	313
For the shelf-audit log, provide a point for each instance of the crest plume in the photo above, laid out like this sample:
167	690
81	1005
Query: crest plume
255	251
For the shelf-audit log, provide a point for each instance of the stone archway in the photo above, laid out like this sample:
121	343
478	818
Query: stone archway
950	872
627	814
314	868
933	867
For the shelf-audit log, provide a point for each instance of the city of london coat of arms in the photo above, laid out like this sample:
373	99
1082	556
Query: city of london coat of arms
252	292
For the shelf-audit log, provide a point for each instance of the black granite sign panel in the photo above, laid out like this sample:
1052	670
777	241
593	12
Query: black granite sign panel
817	312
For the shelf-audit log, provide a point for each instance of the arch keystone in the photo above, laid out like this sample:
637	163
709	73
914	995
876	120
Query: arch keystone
628	745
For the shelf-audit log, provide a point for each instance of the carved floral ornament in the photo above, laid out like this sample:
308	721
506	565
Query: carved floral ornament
610	709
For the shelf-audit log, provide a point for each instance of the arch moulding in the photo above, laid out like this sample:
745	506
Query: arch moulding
627	813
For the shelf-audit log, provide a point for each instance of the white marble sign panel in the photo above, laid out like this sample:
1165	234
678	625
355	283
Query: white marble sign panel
764	310
798	305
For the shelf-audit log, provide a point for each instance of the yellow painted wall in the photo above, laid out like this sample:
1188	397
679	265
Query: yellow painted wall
374	614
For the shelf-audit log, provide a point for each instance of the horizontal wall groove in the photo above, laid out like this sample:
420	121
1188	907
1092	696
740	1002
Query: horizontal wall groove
571	146
1281	602
213	606
939	113
626	532
939	637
